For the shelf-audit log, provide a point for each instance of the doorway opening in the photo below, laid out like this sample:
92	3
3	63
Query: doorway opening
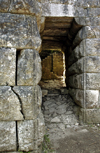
58	107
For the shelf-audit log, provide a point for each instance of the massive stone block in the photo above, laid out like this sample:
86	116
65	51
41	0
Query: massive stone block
77	67
93	12
26	135
90	115
7	66
29	67
85	98
7	136
10	107
19	31
25	93
93	81
88	21
51	9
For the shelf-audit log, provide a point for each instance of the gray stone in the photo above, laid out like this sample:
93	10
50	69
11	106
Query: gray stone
68	119
93	12
91	98
78	96
51	9
7	136
90	115
29	67
61	109
93	81
64	91
10	107
76	81
41	128
25	7
19	31
7	66
26	135
55	120
4	5
77	67
61	126
26	97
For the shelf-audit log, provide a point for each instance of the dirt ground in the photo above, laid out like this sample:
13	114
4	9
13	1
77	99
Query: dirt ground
81	139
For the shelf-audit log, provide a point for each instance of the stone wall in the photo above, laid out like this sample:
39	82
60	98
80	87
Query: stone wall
21	120
52	66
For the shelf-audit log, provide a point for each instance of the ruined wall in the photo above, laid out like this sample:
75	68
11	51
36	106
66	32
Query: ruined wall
21	121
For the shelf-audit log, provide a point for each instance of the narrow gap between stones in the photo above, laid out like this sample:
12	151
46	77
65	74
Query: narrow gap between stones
17	142
21	105
17	56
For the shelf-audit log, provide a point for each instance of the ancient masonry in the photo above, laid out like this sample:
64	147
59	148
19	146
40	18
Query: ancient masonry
22	23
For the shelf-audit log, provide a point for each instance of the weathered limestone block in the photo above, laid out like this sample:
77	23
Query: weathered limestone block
37	97
76	81
86	64
25	7
92	64
10	107
78	96
29	67
51	9
19	31
90	115
86	99
91	98
4	5
7	136
41	128
88	21
26	97
26	135
88	3
89	47
42	24
7	66
93	12
87	32
77	67
93	81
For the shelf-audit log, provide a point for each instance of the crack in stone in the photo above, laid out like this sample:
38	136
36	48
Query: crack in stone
21	105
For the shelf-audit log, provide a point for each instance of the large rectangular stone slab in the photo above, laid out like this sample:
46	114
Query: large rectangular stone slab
7	136
29	68
7	66
10	107
26	135
19	31
85	98
90	115
51	9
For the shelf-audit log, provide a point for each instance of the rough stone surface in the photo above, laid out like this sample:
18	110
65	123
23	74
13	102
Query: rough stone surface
7	74
18	6
93	81
29	67
19	31
7	136
26	135
25	93
58	110
10	107
90	115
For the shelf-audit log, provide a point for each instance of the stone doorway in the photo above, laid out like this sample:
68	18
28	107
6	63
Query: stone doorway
58	107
